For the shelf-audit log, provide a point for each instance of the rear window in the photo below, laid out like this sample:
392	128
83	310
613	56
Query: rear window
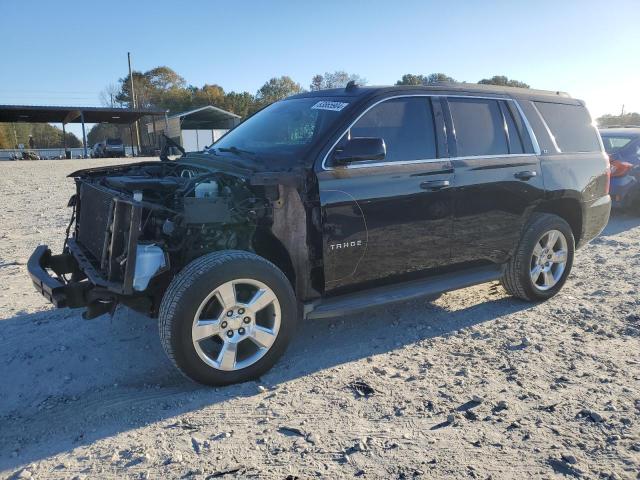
571	126
479	127
613	144
114	141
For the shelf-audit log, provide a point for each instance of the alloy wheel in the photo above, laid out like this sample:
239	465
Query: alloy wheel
236	324
549	260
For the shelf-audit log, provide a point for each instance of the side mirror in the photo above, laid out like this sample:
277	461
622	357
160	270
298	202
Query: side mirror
360	149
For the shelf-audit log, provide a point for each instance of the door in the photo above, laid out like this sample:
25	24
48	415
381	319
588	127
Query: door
385	219
498	177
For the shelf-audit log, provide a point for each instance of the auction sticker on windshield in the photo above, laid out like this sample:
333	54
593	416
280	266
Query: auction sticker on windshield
326	105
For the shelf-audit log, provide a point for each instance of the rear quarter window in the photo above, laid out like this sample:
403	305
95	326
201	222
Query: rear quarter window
570	126
613	144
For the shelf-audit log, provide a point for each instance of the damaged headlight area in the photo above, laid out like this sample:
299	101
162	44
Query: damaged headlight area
136	227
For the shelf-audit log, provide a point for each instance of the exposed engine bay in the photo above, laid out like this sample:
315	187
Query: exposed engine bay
137	225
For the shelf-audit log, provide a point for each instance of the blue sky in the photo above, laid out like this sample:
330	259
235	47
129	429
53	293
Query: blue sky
66	52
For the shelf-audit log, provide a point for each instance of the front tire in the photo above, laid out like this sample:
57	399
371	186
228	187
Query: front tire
227	317
542	262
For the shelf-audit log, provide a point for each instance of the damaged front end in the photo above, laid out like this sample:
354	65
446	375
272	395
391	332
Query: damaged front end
135	226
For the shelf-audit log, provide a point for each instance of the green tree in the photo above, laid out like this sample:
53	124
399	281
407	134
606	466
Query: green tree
503	81
43	134
337	79
176	100
102	131
208	95
144	91
412	79
609	120
243	104
164	78
276	89
150	87
5	141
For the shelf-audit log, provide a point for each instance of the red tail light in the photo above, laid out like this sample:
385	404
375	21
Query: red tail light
608	175
619	169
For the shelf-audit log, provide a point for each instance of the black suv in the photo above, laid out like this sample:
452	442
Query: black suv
328	203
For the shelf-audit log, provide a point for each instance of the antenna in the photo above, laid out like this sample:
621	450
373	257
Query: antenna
352	85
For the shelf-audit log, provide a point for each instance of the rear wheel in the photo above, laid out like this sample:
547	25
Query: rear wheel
541	264
227	317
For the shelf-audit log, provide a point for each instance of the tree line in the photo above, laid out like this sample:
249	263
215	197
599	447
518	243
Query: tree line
161	87
43	134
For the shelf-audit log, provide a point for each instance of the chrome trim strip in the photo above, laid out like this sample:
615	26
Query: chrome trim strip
534	140
430	160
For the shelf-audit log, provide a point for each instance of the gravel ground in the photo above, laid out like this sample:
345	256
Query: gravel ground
475	384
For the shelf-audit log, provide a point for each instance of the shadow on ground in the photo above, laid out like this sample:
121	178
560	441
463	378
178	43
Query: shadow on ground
620	222
69	382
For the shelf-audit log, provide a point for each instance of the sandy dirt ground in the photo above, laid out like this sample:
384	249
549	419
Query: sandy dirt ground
473	385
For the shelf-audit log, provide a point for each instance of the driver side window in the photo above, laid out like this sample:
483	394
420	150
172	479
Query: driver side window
405	124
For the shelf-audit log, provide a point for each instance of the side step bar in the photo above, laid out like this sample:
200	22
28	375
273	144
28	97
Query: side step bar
376	297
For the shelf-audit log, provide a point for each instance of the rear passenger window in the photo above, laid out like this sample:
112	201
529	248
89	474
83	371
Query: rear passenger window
571	126
479	127
406	125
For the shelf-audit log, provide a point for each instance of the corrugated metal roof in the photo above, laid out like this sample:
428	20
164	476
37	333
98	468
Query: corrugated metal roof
49	114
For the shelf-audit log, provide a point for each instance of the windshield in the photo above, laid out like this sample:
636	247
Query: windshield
114	141
283	130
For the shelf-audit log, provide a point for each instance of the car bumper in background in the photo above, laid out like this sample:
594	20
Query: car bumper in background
622	190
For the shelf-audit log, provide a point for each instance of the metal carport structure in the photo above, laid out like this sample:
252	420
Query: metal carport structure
64	115
203	118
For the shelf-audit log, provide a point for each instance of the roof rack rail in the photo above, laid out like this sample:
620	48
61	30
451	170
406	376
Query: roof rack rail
620	126
503	88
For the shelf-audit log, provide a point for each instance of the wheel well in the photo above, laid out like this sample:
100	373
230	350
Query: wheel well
569	210
269	247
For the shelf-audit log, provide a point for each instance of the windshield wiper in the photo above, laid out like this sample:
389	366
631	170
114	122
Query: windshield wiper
236	150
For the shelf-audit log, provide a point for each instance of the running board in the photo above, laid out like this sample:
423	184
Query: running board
376	297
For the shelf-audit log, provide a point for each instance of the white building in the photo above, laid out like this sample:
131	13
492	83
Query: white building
194	130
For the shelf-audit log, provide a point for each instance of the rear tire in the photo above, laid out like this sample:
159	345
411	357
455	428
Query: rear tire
542	262
227	317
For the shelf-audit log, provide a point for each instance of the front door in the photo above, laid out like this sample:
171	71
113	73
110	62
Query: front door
385	219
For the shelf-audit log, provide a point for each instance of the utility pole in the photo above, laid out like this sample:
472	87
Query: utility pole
133	101
622	114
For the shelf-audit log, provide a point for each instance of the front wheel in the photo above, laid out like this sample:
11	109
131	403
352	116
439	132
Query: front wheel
542	262
227	317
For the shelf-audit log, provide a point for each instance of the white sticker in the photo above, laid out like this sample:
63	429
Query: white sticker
326	105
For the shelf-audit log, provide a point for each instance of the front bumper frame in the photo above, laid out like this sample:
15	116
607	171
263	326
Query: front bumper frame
62	294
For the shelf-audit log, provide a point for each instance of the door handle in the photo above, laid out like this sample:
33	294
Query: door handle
435	184
526	175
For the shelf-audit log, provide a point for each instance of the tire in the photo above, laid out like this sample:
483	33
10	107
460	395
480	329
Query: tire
518	278
198	302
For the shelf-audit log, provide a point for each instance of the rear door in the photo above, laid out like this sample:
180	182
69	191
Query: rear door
384	219
498	179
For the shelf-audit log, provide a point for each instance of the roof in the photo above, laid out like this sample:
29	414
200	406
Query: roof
204	117
47	114
630	131
436	87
